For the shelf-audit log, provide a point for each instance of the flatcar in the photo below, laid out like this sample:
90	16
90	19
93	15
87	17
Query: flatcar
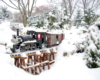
33	40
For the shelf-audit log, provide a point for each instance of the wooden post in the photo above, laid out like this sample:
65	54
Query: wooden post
39	60
53	56
16	59
43	60
22	59
35	58
50	57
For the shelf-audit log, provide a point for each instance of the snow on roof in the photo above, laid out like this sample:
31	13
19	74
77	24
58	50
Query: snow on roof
33	29
55	32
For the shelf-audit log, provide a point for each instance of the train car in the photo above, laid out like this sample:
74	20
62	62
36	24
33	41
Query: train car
33	40
54	39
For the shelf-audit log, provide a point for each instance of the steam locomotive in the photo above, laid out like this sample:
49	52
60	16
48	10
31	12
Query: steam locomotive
33	40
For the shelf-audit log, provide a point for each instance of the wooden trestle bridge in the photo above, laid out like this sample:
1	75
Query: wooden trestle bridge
35	62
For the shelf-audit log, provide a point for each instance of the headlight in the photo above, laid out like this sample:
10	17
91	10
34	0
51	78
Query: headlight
16	41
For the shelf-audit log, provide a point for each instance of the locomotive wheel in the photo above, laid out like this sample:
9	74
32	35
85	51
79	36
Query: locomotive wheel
32	46
40	47
27	47
22	48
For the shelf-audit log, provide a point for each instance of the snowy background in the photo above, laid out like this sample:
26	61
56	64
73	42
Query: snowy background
70	67
80	25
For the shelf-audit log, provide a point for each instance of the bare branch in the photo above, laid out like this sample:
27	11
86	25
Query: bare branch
74	6
13	3
28	6
27	3
22	6
9	5
32	7
19	7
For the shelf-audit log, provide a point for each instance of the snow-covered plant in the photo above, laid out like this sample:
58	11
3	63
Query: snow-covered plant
4	13
40	23
29	21
92	48
51	20
93	59
78	18
15	26
90	17
70	24
98	22
61	24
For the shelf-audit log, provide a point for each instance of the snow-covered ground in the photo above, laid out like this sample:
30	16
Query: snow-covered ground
71	67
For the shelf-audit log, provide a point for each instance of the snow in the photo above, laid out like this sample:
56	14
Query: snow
38	52
24	30
92	47
5	33
54	50
30	41
48	51
70	67
23	55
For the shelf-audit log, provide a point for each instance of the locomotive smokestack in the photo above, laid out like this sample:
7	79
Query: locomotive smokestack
17	32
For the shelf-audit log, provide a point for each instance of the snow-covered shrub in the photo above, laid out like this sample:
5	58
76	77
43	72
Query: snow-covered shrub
78	18
15	26
40	23
80	48
61	24
29	21
98	23
92	47
98	26
90	17
93	59
4	13
51	20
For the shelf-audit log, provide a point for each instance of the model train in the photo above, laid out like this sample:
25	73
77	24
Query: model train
33	40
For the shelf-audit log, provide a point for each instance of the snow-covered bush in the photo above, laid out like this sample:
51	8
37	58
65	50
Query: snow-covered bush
92	47
40	23
98	23
4	13
90	17
15	26
93	59
78	18
51	20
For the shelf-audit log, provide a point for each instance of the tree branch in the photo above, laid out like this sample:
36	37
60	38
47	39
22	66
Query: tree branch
32	7
9	5
28	6
19	7
13	4
27	3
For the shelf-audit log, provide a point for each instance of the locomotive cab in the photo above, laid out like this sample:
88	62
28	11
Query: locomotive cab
41	39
